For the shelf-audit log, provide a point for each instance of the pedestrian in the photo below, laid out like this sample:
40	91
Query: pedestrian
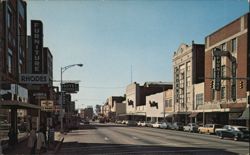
40	145
32	141
11	136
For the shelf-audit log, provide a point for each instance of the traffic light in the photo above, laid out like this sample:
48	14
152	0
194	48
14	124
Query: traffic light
211	84
241	84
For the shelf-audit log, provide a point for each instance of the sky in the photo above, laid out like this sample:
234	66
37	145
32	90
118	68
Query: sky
124	41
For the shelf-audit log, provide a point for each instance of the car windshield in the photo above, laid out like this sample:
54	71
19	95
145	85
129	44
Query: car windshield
243	129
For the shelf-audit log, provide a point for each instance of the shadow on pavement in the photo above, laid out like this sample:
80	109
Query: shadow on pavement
124	149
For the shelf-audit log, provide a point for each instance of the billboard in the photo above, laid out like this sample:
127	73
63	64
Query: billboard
37	46
47	105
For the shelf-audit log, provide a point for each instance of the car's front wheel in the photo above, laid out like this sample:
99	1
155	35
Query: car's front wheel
220	135
237	137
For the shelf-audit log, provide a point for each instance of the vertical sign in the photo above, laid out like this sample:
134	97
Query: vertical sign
217	73
233	91
37	46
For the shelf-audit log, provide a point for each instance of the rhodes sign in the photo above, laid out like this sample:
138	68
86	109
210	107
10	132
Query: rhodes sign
34	78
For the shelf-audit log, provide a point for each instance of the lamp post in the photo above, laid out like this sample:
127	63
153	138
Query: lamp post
63	69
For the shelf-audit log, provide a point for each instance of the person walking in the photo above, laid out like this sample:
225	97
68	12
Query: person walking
40	141
11	136
32	141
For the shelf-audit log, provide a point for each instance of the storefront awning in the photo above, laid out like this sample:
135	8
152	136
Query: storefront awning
245	114
169	115
17	105
193	114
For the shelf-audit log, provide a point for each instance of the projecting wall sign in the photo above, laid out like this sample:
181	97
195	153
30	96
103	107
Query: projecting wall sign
34	78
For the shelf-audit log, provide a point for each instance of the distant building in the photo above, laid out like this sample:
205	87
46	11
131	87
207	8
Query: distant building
136	98
88	113
188	65
113	107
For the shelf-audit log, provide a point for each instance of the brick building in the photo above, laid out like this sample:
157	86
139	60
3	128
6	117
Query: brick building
227	74
13	62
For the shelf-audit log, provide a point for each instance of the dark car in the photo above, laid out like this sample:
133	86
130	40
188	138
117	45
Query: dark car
235	132
177	126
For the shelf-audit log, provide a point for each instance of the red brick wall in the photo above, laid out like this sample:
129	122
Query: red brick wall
225	32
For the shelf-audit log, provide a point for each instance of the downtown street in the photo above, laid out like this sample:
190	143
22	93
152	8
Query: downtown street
120	139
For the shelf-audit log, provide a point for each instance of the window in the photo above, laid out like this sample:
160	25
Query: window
10	57
188	98
234	45
168	103
9	18
223	92
223	71
224	47
213	94
199	99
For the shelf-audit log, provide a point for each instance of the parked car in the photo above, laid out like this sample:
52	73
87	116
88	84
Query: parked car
165	125
145	123
156	124
131	123
177	126
209	128
124	122
150	124
235	132
191	127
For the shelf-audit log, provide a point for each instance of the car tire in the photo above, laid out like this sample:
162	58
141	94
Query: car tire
236	137
220	136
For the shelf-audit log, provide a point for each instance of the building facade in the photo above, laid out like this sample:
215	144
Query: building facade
13	62
227	62
188	65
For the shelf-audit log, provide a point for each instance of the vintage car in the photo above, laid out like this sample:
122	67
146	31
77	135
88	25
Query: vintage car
235	132
177	126
191	127
209	128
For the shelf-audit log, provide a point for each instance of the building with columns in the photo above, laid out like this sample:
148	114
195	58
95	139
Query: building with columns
188	65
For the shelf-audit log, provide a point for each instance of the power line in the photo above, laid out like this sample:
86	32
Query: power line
100	87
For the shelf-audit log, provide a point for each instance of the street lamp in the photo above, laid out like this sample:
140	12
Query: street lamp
63	69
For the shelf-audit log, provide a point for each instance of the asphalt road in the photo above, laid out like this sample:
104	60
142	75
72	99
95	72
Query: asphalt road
120	140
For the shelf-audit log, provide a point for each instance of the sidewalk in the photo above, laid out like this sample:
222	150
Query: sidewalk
22	148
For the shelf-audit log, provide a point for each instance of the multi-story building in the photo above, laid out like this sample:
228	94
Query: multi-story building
13	61
227	63
40	63
188	65
136	102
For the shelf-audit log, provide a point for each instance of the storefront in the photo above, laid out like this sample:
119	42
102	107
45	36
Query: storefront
12	107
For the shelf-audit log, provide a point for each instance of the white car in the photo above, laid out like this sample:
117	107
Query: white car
156	124
165	125
139	123
191	127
